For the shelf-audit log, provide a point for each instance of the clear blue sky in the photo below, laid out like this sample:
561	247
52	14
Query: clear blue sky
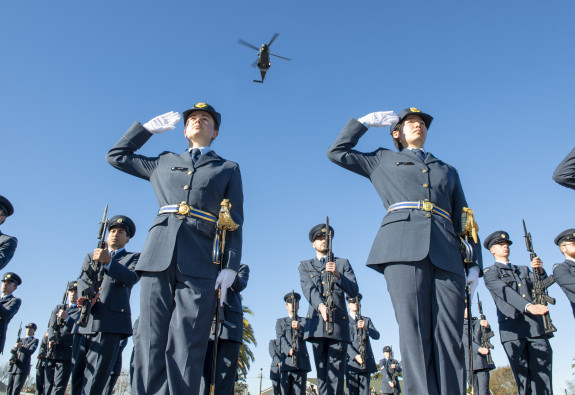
497	77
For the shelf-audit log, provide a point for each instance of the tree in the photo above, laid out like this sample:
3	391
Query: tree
246	355
502	381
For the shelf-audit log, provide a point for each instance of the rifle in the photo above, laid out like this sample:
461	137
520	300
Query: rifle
394	373
469	229
294	331
94	275
361	335
330	277
225	223
486	333
42	353
57	326
14	351
539	291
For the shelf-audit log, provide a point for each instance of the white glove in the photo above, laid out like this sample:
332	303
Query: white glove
163	122
379	118
225	280
473	280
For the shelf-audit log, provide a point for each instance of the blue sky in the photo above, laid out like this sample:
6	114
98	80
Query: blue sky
497	77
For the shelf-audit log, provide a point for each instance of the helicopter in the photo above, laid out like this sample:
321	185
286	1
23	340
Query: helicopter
263	62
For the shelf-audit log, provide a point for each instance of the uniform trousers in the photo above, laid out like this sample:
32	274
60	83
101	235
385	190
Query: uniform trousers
329	356
276	384
531	361
357	383
226	367
94	360
176	312
56	373
15	383
110	384
40	372
293	382
429	305
481	382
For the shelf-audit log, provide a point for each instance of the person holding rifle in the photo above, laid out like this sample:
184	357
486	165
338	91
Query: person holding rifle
9	304
521	326
417	247
360	360
294	357
178	274
229	342
8	244
564	174
329	349
390	369
41	365
20	369
564	273
482	362
110	318
58	365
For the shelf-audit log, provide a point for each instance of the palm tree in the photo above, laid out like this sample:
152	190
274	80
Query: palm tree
246	355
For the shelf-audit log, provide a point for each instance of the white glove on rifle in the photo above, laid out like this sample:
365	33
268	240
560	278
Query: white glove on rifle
379	119
473	280
225	280
163	122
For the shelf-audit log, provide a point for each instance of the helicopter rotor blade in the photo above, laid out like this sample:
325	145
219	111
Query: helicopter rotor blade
247	44
273	38
281	57
255	64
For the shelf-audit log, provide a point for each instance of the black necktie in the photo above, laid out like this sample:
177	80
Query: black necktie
195	155
419	154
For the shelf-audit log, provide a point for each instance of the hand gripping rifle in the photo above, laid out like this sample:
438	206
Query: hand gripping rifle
394	373
42	353
14	351
94	275
539	291
486	333
225	224
361	336
329	302
469	230
57	327
294	331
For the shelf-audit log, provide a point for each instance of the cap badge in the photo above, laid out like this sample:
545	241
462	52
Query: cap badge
323	230
8	276
573	234
200	105
413	109
502	236
119	220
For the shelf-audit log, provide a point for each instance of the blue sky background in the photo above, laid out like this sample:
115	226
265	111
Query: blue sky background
497	77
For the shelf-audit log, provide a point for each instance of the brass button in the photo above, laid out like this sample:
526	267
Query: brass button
428	215
97	300
425	185
186	187
311	275
324	294
519	284
344	317
523	295
322	272
424	171
323	282
122	310
190	173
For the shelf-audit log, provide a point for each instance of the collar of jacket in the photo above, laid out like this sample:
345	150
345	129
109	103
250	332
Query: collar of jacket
429	158
203	160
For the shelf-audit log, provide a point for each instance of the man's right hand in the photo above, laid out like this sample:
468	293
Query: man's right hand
323	311
537	309
163	122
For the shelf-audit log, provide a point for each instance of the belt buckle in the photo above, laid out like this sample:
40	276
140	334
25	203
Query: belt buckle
427	206
183	209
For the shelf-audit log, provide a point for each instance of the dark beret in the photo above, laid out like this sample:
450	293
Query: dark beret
207	108
319	230
124	222
6	206
287	297
495	238
566	235
10	276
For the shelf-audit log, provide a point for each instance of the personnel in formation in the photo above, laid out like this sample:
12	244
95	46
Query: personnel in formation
41	365
116	370
521	326
178	276
22	355
390	369
565	172
230	340
110	319
564	273
9	304
274	350
294	357
481	366
58	366
360	360
7	243
329	350
417	247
